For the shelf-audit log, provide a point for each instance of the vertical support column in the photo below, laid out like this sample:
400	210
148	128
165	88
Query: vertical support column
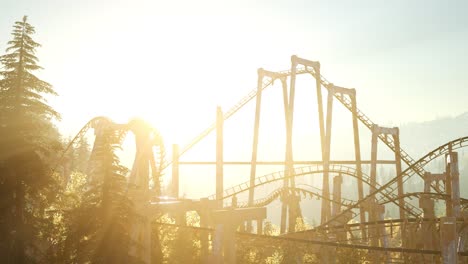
382	230
427	182
448	185
218	242
337	181
293	211
219	155
289	111
336	205
284	205
401	200
259	226
289	133
318	85
175	171
426	203
204	222
428	226
448	240
229	243
455	176
373	171
373	181
294	208
253	163
357	154
325	215
230	226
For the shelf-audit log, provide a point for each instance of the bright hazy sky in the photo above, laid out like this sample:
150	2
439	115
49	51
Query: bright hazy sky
173	62
179	59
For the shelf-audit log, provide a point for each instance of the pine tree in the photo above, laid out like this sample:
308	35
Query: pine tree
100	226
27	140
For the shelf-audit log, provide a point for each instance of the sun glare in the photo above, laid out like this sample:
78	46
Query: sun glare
173	89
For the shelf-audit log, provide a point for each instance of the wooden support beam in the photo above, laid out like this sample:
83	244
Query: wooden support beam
259	226
401	200
279	163
337	181
284	205
342	90
373	171
228	221
288	101
326	210
219	156
175	171
448	240
448	186
455	177
357	155
300	61
253	162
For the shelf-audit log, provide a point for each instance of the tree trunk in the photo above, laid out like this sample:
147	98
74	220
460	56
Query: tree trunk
19	222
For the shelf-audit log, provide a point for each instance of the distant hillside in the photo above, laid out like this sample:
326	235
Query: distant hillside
419	138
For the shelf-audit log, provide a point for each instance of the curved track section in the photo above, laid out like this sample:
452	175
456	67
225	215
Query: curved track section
442	150
121	131
287	191
89	125
432	195
335	168
280	175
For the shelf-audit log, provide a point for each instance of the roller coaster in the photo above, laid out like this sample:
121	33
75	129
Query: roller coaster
422	235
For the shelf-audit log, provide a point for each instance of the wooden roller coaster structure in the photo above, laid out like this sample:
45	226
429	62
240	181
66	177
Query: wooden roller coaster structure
423	236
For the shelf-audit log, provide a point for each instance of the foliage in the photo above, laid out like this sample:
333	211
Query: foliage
350	256
99	230
28	143
76	158
179	244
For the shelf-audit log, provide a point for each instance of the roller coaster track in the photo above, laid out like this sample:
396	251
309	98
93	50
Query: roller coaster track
379	222
335	168
443	149
291	190
90	124
344	202
121	131
431	195
285	238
